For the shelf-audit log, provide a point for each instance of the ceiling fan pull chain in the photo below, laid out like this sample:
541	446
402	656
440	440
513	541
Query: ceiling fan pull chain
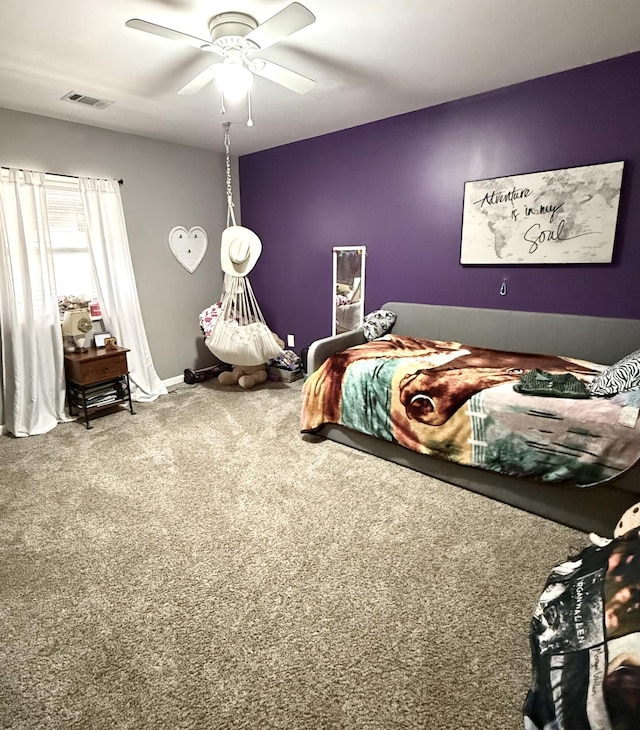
222	107
250	119
227	145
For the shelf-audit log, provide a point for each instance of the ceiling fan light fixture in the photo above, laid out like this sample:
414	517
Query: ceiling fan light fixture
235	37
233	79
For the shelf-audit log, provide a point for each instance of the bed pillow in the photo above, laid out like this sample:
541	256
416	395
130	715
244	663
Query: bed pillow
623	375
378	323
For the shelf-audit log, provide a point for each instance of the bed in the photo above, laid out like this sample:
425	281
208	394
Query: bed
482	446
348	314
348	306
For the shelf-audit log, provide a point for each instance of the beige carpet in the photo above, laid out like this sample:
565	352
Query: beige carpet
201	565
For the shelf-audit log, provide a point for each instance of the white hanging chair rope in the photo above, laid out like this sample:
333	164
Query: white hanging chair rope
231	219
240	335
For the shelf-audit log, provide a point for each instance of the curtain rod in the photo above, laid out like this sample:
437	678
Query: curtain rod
59	174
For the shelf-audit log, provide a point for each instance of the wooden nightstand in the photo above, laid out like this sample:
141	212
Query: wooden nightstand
97	381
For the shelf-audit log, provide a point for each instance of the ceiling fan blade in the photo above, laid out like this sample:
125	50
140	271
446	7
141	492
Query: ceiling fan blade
283	76
200	81
289	20
172	35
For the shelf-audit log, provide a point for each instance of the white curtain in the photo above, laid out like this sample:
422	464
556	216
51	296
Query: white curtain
32	355
115	281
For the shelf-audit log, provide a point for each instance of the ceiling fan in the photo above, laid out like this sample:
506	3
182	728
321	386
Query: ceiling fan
235	38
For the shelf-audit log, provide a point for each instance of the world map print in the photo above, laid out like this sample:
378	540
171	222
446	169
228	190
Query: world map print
555	217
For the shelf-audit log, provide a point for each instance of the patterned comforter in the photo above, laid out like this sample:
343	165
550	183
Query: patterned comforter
457	402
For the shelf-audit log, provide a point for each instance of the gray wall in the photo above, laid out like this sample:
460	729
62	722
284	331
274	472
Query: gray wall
165	185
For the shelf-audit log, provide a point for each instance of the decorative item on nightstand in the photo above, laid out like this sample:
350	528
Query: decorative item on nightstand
77	325
99	338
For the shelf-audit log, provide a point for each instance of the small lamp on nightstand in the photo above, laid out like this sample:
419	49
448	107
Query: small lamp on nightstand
77	325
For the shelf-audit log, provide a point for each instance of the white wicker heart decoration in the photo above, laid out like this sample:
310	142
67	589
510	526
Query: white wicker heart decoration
188	246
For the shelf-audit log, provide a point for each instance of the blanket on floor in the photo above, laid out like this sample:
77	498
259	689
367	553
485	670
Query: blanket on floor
585	642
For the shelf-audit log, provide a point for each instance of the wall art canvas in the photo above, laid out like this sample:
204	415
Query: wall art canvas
556	217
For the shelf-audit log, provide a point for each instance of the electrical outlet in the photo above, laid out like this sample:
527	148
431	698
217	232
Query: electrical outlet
291	341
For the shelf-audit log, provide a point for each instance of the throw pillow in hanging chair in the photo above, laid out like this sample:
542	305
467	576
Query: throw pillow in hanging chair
240	248
208	318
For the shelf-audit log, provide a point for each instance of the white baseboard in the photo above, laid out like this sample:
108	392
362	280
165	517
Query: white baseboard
168	382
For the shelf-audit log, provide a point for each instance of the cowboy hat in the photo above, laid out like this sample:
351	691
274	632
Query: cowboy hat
239	250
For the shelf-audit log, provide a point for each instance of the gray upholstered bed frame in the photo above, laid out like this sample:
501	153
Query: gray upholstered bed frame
597	339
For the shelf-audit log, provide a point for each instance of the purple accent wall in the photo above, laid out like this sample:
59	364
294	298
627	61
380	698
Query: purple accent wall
396	186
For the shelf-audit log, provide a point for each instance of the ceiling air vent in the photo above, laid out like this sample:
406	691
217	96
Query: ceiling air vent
78	98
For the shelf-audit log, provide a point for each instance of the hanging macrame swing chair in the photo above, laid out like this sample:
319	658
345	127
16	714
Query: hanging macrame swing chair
240	335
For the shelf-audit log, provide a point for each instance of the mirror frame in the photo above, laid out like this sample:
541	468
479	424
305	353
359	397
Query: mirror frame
337	251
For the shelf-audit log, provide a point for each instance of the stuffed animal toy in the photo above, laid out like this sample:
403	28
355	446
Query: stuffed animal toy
247	376
629	520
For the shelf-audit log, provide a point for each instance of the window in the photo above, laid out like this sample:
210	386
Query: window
69	242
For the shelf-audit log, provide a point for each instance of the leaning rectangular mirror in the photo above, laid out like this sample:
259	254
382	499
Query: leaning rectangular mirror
348	287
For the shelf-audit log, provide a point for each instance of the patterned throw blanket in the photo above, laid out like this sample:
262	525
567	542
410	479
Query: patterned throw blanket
585	642
458	402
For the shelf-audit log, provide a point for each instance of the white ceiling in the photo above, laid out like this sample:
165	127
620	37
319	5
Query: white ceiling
371	59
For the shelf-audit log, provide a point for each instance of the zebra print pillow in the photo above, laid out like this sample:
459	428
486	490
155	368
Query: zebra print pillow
624	375
378	323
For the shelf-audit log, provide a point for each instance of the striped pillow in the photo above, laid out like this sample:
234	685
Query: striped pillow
624	375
